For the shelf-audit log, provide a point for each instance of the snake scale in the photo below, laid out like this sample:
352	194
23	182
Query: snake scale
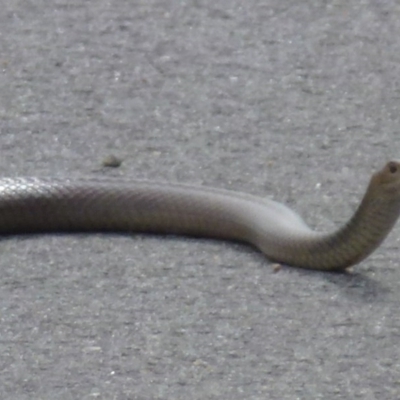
29	205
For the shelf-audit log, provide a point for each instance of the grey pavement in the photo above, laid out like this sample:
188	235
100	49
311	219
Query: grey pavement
294	100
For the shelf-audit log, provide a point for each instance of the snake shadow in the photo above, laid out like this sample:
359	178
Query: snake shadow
356	285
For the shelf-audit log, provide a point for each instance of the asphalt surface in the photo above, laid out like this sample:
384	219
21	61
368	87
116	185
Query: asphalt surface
295	100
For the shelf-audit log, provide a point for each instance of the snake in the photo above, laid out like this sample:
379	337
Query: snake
48	205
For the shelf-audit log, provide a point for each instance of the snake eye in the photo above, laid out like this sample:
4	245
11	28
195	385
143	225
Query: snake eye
392	168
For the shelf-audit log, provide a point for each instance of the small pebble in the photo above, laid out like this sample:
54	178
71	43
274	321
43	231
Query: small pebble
112	161
276	267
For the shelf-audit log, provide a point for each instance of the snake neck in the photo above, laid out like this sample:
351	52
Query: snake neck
354	241
362	234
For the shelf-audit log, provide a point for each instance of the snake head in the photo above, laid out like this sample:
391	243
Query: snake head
387	180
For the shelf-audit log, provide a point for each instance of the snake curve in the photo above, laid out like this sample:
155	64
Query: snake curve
30	205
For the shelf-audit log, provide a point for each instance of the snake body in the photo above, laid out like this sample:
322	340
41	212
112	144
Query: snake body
30	205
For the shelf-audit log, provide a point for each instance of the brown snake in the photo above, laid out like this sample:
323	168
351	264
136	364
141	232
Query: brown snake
64	205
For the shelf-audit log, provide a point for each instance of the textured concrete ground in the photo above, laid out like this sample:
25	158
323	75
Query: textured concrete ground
296	100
